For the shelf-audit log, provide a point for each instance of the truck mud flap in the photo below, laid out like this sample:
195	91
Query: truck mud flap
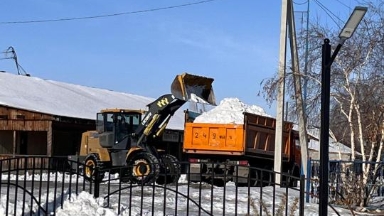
192	87
240	174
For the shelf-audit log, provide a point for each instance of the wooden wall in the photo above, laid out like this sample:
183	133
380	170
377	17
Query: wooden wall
24	132
23	120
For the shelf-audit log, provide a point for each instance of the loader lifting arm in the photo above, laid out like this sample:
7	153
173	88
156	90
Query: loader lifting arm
184	87
156	119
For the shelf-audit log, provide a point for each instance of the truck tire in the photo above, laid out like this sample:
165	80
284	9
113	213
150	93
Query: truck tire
143	168
296	173
170	171
90	163
255	178
268	176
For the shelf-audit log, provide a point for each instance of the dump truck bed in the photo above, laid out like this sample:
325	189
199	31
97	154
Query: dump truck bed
256	137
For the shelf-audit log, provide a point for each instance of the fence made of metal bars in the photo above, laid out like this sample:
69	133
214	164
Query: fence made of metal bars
42	186
344	174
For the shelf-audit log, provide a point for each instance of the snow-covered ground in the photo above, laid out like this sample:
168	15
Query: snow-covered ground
174	200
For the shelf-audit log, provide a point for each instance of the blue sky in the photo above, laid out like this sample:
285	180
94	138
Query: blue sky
234	41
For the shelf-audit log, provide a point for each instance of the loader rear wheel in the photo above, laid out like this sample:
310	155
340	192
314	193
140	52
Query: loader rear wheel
170	171
143	168
90	163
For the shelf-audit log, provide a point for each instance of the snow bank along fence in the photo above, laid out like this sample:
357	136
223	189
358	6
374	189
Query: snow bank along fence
339	173
42	185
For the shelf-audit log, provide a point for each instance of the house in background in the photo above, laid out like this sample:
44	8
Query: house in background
45	117
337	150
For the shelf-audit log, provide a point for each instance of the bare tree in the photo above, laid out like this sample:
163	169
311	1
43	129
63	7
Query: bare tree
357	87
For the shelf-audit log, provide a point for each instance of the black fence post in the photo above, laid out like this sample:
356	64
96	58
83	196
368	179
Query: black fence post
96	193
302	192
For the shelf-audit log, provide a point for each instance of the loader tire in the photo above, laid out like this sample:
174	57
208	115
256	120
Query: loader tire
170	171
90	163
143	168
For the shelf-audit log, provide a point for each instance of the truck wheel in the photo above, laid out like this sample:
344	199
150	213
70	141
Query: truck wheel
90	163
217	182
143	168
296	173
268	176
255	178
170	171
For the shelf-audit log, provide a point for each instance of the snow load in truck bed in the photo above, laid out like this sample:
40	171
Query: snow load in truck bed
229	111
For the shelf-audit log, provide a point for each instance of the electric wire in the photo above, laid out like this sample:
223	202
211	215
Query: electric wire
19	68
300	3
328	12
344	4
105	15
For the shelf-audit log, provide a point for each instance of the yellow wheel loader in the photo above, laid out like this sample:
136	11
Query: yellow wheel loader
125	138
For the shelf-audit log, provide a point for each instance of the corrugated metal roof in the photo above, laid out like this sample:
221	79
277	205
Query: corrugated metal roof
70	100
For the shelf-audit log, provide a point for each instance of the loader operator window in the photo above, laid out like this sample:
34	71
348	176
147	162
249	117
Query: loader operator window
109	122
126	124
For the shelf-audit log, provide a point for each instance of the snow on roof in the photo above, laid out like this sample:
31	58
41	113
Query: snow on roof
70	100
230	110
334	146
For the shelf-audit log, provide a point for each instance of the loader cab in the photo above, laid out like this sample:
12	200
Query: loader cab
114	125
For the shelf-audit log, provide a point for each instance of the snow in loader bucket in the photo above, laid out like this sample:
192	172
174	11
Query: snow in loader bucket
193	87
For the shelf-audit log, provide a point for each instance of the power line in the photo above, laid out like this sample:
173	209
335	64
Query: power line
105	15
300	3
344	4
328	12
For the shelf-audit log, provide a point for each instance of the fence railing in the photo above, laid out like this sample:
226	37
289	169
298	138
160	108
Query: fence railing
344	173
48	185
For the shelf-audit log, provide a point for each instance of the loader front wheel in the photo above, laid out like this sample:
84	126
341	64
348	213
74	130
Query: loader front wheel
90	164
143	168
170	171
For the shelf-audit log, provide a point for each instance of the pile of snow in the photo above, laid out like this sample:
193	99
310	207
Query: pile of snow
229	111
86	204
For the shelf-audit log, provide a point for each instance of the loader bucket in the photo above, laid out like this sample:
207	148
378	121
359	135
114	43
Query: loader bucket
195	88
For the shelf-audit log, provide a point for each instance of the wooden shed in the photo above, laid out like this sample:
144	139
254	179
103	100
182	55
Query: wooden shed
24	132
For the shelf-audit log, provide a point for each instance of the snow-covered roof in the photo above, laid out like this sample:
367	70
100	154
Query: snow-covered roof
334	146
70	100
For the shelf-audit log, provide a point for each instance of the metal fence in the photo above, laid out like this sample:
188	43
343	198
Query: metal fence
47	186
340	175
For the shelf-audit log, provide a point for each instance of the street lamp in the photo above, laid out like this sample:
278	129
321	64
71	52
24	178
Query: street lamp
327	60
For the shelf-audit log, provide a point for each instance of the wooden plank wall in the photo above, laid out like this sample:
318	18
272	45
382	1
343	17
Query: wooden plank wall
23	120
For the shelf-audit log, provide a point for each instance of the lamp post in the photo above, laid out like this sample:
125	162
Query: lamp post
327	60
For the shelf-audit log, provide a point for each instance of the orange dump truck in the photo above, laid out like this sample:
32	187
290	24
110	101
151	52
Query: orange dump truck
215	151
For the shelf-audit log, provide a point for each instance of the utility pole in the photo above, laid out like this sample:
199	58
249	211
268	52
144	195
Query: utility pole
287	19
280	93
298	91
